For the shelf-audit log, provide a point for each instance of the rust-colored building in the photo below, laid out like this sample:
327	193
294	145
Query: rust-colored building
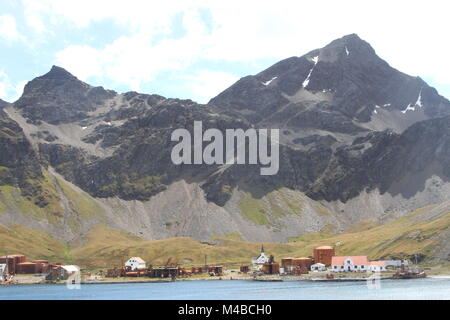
12	261
114	273
286	263
42	266
27	268
244	269
323	255
296	265
195	270
270	268
165	272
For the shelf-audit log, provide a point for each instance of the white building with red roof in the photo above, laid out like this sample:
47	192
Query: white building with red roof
350	264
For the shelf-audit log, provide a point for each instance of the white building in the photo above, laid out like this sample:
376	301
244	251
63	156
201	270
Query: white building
350	264
377	266
135	263
64	272
261	259
318	267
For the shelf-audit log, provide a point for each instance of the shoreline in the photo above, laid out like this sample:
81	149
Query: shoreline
361	279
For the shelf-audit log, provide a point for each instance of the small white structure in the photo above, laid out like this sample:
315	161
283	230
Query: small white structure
377	266
318	267
261	259
350	264
71	269
64	272
135	263
3	272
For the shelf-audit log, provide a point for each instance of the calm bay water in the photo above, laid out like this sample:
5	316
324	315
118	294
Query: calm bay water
430	288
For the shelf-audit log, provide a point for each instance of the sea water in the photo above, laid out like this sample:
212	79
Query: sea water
428	288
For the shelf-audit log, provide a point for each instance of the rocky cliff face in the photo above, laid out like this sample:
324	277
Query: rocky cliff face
19	164
359	141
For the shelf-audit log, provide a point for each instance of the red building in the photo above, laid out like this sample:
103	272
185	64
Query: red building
12	261
296	265
323	255
27	268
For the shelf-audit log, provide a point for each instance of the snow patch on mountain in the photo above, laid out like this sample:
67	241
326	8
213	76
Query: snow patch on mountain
269	81
413	107
409	108
306	82
419	99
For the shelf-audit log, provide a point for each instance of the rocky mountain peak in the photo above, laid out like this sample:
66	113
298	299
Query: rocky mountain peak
58	73
345	82
348	47
60	97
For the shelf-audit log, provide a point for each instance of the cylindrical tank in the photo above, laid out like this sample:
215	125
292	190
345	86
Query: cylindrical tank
323	255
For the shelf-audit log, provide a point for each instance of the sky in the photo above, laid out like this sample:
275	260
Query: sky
197	48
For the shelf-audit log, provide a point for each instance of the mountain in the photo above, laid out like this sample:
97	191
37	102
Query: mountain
360	143
342	88
59	97
3	103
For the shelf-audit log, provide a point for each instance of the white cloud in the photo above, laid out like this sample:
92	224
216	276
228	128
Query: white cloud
205	84
8	91
8	28
138	15
128	61
410	35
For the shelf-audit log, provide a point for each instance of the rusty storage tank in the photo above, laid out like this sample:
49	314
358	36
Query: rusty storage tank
27	268
12	260
42	266
286	263
40	261
303	262
323	255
